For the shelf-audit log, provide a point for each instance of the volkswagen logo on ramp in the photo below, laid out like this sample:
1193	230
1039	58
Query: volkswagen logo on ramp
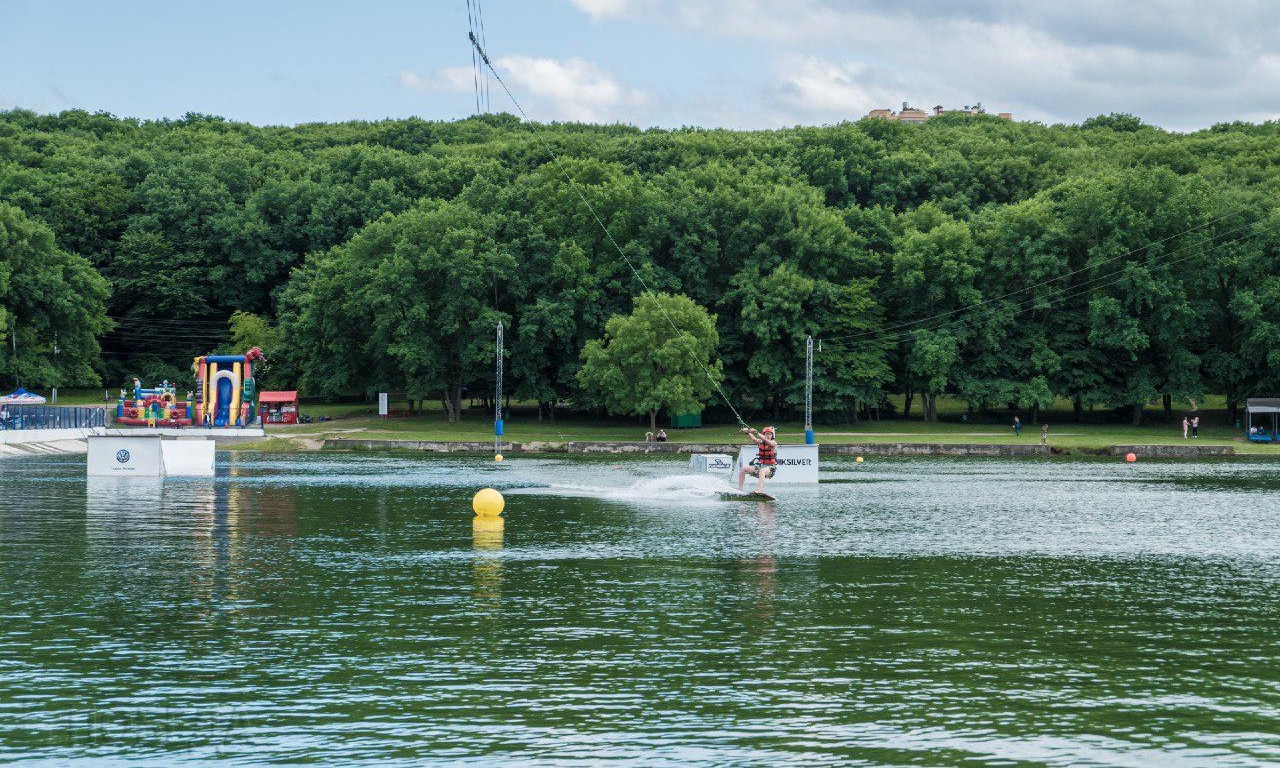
122	456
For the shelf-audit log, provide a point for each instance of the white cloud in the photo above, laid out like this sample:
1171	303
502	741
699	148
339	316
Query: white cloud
447	79
832	90
1177	63
574	89
549	89
601	10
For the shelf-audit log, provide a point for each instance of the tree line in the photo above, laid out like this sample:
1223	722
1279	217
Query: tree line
1111	264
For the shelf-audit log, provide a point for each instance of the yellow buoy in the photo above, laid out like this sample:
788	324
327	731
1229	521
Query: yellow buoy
498	457
488	502
858	460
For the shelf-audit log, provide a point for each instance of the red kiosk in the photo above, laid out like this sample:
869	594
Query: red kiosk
279	407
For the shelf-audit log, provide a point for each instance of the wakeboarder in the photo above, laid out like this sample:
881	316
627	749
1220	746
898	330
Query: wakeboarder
766	464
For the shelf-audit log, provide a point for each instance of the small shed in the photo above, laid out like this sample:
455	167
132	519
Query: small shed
1262	419
686	420
280	407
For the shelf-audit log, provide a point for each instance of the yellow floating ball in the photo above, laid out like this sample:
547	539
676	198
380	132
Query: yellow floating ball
858	460
488	502
498	457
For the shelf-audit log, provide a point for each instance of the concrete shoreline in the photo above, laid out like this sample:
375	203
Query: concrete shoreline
74	441
827	449
71	441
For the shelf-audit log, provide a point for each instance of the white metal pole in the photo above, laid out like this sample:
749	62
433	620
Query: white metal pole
808	391
497	392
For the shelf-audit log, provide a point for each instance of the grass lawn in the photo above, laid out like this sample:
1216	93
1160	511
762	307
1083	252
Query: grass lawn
360	420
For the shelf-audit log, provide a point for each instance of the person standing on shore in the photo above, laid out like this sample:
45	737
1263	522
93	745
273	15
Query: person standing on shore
1044	433
1186	424
1195	427
1017	427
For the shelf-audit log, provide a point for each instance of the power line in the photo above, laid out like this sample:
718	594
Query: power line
156	322
1029	304
484	57
475	65
488	105
1046	282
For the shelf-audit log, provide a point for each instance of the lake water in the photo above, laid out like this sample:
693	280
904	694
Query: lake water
932	611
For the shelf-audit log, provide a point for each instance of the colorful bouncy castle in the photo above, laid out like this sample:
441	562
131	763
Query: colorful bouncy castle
159	407
226	394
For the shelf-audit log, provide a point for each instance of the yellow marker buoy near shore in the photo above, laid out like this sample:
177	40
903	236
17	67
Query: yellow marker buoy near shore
488	503
858	460
498	457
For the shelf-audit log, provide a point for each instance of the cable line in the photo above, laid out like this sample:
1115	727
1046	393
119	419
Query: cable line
1045	282
475	65
170	322
488	105
1068	292
484	57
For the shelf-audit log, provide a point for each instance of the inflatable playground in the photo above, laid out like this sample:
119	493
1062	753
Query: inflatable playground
225	396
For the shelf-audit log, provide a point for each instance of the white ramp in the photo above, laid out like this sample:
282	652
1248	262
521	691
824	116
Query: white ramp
796	464
188	458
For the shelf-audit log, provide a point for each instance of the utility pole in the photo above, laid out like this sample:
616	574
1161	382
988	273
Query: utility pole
497	393
808	391
55	368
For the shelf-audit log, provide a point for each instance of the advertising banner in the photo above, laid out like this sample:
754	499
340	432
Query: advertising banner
125	456
796	463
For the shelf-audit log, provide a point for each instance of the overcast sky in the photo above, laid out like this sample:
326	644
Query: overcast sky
1180	64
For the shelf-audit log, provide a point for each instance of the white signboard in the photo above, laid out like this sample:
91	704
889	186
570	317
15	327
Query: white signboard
382	404
711	462
796	463
125	456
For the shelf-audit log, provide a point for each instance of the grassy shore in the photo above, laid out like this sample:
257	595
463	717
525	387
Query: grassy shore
357	422
1098	432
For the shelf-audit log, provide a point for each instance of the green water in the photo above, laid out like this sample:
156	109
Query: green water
341	608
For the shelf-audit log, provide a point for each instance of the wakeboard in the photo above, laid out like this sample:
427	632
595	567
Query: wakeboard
744	496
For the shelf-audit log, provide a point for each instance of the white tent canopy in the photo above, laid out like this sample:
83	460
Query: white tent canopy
21	397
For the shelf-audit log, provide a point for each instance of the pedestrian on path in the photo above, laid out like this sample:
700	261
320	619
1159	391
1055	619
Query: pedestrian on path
1017	427
1186	424
1044	434
1195	426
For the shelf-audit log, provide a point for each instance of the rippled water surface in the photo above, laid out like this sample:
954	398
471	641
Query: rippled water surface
344	608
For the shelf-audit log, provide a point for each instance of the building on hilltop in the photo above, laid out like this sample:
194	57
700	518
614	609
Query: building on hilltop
910	114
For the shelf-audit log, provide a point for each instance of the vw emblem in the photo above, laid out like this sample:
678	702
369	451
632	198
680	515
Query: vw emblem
122	456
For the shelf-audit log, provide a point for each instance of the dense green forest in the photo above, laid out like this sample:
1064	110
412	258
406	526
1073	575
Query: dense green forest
1111	264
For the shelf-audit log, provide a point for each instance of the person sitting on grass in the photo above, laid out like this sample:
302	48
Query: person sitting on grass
766	463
